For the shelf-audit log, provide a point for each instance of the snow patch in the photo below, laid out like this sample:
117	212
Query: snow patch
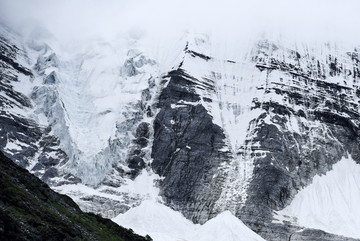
164	224
331	203
15	145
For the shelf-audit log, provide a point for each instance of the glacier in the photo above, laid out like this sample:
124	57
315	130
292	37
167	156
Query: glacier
238	134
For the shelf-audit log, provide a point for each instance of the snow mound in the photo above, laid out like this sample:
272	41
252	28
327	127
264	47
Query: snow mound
330	203
164	224
225	226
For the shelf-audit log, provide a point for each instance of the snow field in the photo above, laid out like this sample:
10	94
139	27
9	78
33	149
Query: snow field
164	224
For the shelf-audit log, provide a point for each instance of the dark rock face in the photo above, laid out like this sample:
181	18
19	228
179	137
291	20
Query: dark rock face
187	144
316	235
187	149
11	126
8	53
139	146
329	130
30	210
21	138
281	173
51	78
15	127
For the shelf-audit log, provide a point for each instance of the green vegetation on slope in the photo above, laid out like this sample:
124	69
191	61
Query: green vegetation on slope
30	210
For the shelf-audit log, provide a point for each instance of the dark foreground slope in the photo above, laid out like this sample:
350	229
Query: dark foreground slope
30	210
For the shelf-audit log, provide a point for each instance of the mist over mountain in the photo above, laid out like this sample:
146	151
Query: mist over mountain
175	118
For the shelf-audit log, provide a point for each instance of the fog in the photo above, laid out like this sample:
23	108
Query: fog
319	20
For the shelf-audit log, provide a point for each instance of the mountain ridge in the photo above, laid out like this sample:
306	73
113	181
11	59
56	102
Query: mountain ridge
211	134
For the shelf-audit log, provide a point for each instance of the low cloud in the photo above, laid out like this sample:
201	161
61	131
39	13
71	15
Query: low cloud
320	20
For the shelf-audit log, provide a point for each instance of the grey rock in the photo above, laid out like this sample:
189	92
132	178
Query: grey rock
187	151
46	62
187	144
129	68
34	143
50	173
317	235
51	79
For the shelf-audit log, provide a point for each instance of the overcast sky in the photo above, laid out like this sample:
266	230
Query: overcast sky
312	19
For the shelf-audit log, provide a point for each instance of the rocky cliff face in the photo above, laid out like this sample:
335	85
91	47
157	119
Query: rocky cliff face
310	124
23	137
69	121
189	149
213	133
306	120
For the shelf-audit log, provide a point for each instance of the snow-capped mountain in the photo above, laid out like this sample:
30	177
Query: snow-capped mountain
117	125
